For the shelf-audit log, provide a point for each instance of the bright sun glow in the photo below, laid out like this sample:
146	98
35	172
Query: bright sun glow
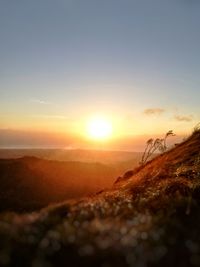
99	128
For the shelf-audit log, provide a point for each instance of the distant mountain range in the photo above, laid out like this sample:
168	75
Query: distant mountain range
101	156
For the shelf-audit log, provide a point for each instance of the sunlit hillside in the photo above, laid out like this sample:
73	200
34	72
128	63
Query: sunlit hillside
150	218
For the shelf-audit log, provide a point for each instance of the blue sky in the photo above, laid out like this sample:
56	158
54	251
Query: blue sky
62	61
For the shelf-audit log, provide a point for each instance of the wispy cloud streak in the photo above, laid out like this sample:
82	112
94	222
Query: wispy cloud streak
40	101
183	118
154	111
49	117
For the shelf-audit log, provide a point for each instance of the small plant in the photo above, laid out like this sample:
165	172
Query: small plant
197	128
155	145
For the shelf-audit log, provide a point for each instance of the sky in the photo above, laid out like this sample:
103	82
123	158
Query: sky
135	62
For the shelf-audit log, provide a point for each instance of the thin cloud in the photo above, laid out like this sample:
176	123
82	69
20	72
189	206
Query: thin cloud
183	118
40	101
154	111
58	117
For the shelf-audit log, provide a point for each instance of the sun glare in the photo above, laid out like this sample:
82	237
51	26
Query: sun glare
99	128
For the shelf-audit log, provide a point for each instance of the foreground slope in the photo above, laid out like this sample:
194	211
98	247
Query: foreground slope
149	218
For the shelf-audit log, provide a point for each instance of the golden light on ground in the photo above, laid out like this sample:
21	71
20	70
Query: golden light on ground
99	128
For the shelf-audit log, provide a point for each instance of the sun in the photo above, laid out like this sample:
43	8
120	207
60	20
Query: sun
99	128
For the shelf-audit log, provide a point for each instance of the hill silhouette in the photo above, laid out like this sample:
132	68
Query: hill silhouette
30	183
149	217
81	155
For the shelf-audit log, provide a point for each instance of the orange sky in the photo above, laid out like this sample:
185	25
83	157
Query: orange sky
136	64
